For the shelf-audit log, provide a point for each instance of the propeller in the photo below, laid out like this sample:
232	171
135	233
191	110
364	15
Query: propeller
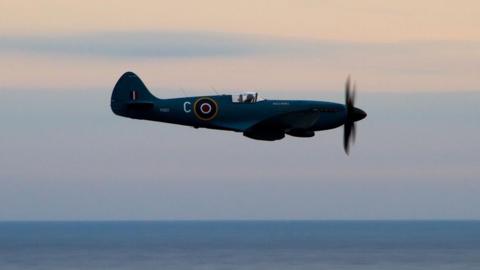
353	115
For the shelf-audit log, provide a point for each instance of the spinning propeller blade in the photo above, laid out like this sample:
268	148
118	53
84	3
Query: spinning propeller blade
353	115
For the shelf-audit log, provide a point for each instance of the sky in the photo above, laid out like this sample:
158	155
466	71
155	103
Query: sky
65	156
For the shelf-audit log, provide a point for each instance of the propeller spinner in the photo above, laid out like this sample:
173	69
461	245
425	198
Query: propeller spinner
353	115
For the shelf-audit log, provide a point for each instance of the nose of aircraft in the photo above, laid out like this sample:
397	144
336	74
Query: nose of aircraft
358	114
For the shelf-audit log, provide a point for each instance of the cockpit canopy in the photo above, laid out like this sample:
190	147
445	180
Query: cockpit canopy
247	97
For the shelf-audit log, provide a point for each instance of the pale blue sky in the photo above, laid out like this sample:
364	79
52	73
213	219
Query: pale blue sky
64	155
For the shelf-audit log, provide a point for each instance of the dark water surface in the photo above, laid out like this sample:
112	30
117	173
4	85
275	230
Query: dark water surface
241	245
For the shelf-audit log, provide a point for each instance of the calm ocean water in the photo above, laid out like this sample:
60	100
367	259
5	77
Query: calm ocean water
241	245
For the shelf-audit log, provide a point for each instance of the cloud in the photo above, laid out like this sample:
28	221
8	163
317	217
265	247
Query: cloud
246	61
146	44
188	44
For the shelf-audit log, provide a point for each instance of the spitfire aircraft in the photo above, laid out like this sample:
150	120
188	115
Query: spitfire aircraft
255	117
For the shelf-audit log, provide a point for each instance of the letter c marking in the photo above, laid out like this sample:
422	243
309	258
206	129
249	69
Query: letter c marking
189	108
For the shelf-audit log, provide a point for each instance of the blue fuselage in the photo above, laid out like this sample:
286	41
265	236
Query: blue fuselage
240	116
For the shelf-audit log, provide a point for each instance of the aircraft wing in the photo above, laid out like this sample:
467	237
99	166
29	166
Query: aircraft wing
274	128
304	119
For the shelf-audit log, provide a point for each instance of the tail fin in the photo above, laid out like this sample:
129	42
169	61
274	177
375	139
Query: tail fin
130	95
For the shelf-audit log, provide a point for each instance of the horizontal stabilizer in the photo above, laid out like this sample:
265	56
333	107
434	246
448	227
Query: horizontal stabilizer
140	105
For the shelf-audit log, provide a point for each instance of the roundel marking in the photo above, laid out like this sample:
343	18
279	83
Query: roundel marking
205	108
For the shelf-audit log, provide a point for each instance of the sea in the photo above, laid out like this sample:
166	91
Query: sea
174	245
